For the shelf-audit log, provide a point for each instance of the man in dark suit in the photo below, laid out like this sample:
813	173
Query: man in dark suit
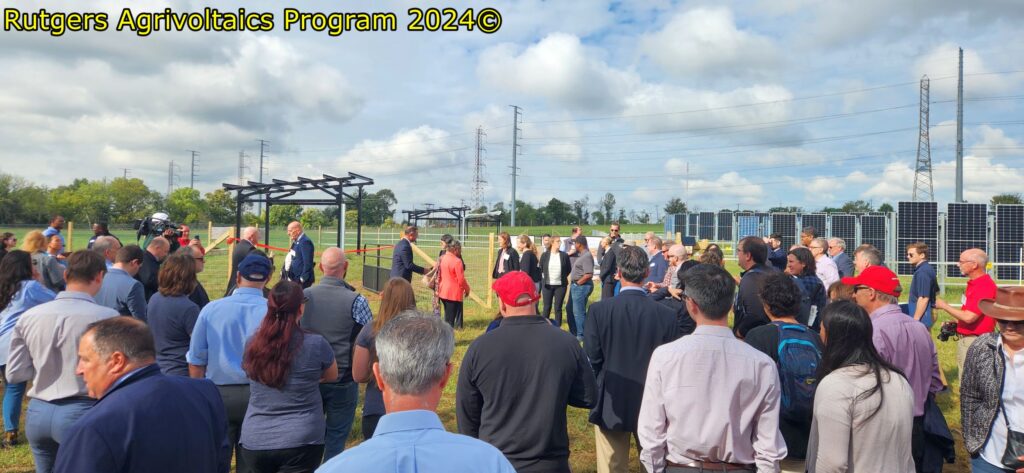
748	311
608	262
621	334
402	265
155	253
143	420
298	265
837	250
244	246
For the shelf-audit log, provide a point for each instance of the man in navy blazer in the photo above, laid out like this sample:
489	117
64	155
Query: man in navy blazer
402	265
298	265
621	334
837	250
143	420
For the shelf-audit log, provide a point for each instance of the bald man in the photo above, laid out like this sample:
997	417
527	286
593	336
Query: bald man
338	313
155	253
971	323
245	245
298	265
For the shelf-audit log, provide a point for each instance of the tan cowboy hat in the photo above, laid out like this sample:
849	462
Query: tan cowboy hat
1008	304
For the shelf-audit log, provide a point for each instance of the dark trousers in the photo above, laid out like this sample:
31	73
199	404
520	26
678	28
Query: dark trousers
607	288
917	443
236	401
554	294
303	459
569	318
452	312
370	425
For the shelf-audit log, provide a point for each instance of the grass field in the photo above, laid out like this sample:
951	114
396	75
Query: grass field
476	319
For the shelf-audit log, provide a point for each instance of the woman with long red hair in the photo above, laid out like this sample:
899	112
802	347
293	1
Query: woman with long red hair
284	426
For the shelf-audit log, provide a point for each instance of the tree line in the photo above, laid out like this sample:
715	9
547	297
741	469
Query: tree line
122	201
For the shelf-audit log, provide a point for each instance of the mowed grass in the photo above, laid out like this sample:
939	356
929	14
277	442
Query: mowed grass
214	278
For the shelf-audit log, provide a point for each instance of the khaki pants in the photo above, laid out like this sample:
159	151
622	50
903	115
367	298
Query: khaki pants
962	345
792	466
612	450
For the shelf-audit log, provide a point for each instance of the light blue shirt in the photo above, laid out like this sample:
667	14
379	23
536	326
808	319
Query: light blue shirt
29	295
220	334
49	232
123	293
416	442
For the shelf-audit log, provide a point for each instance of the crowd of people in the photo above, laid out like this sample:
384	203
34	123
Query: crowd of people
129	366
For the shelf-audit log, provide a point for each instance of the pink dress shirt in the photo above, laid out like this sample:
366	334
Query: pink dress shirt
710	397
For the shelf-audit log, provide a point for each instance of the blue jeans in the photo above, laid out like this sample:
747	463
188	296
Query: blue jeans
340	401
13	394
579	295
46	423
979	465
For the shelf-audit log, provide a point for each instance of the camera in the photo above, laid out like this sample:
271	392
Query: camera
156	225
948	329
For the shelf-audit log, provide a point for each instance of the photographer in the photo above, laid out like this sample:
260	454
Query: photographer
156	251
971	322
158	225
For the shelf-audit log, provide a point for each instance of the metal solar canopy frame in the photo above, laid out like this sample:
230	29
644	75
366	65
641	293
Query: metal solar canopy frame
916	222
1009	241
280	192
966	227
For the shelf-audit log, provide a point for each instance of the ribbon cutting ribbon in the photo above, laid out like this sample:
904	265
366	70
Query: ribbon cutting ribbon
285	250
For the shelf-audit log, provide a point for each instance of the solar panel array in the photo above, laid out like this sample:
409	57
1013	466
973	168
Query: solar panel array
691	225
706	226
872	232
679	224
748	224
724	226
917	222
785	225
845	227
966	227
818	221
1009	233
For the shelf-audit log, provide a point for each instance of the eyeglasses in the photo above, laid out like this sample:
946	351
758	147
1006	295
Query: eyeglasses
857	288
1017	324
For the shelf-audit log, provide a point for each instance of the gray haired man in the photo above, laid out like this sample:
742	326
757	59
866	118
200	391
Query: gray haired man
414	354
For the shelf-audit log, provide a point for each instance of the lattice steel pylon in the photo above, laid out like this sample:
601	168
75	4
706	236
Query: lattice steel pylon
478	169
923	190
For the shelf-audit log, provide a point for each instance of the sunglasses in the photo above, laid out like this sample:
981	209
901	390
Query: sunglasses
1017	324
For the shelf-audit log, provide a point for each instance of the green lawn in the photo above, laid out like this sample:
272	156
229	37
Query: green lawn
477	317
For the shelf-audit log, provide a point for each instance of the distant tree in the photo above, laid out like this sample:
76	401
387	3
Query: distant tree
1008	198
581	207
622	216
284	214
131	199
643	217
378	206
886	207
220	206
608	205
791	209
312	218
184	205
675	206
558	212
598	217
857	206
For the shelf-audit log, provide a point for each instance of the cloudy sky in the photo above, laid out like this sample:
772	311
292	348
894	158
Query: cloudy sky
749	103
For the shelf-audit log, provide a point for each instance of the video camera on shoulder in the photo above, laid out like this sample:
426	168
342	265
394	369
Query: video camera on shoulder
157	225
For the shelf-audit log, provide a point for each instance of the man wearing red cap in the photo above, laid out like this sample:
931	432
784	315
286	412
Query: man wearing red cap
900	340
517	380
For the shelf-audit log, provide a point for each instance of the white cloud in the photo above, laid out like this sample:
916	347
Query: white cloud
706	41
558	68
416	150
941	66
727	189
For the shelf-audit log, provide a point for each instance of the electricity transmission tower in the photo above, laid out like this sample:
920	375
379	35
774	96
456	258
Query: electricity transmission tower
195	167
923	191
172	177
243	167
478	169
516	131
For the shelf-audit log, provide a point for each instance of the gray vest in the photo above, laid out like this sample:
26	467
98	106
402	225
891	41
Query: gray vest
329	313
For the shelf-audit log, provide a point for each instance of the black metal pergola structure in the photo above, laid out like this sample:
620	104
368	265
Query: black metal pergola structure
278	192
436	214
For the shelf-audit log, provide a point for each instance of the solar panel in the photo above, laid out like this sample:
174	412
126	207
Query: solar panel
691	224
1009	241
785	225
747	224
872	232
724	226
916	222
814	220
706	226
679	224
845	227
966	227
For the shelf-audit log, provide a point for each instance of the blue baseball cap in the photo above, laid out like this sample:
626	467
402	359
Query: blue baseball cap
255	268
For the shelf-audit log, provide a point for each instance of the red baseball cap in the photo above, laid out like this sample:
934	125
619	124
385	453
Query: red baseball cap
513	286
879	278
